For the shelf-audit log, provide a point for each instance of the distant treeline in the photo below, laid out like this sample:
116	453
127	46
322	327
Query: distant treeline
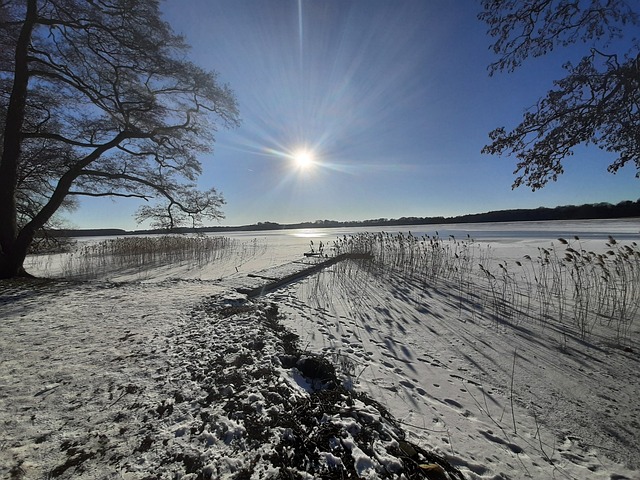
624	209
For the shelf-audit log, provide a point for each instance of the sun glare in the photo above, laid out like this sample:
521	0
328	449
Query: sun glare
303	159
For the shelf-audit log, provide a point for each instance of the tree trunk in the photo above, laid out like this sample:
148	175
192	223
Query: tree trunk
11	265
11	256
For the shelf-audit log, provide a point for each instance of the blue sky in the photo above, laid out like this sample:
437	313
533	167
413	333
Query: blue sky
392	98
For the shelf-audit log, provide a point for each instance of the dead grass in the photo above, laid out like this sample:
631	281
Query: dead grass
578	288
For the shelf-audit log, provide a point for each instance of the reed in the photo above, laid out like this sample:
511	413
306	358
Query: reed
564	283
139	254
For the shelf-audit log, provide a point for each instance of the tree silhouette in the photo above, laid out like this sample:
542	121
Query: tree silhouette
597	102
97	99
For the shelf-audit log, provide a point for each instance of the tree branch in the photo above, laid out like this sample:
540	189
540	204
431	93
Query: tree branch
109	194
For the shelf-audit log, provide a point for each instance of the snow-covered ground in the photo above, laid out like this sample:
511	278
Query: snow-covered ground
171	373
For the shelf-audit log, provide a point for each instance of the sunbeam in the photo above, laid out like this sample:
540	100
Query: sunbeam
319	92
300	32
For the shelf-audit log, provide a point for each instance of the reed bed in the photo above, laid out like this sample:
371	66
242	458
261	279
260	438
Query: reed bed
580	289
138	254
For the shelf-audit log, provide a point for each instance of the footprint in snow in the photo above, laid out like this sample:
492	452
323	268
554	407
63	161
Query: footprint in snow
453	403
387	364
512	446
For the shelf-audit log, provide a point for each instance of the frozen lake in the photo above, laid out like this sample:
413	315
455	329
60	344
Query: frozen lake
499	234
256	250
621	229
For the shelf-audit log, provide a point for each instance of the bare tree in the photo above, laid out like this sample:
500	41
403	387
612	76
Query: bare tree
597	102
97	99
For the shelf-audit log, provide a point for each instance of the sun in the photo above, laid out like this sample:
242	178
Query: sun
303	159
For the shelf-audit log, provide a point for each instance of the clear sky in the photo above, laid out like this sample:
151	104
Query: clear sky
391	98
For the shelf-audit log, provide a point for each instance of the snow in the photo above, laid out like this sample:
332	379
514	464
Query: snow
174	373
